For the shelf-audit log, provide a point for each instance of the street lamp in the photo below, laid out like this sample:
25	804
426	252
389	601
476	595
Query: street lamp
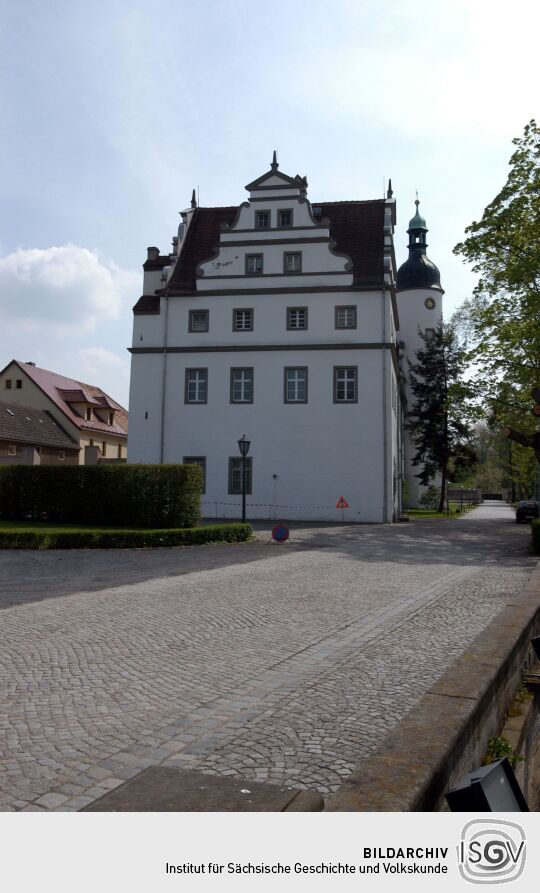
243	446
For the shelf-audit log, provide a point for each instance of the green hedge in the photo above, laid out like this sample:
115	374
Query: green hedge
113	495
123	539
535	530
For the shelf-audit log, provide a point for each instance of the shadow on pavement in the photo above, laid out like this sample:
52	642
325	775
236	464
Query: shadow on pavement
27	576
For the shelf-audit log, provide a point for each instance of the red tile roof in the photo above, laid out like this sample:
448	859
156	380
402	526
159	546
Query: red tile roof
77	395
358	230
201	241
147	305
57	386
157	263
356	227
35	427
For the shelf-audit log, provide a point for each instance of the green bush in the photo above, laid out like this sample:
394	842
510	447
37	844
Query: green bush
131	495
535	531
430	499
124	539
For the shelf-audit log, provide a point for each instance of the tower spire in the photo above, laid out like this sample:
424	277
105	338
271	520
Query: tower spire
193	200
389	192
274	164
418	271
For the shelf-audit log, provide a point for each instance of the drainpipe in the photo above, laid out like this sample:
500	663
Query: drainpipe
385	421
164	378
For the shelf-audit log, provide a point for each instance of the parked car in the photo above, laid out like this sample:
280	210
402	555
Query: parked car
527	510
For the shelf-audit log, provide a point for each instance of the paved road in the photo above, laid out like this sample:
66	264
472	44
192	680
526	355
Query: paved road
288	663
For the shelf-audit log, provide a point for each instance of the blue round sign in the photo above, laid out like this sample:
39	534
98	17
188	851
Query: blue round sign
280	533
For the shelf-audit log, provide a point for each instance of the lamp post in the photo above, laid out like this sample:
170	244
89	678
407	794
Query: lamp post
243	446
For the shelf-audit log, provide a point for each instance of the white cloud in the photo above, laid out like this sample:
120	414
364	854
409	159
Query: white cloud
446	70
62	290
99	364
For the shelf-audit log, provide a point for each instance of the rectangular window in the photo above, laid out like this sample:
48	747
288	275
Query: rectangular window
201	462
345	317
198	320
8	384
296	384
88	414
297	317
235	474
243	320
104	448
12	450
196	386
254	264
18	383
119	450
262	219
429	333
345	378
242	385
292	262
285	217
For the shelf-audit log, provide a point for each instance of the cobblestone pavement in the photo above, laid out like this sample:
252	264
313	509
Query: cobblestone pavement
288	663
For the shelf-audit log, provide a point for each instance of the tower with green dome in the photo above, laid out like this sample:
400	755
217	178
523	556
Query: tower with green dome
419	295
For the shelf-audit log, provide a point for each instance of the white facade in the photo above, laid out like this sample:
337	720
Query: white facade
312	377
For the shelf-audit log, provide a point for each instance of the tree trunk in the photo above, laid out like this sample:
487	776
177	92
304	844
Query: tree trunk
443	490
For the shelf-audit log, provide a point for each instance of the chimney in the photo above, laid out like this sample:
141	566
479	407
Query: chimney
153	253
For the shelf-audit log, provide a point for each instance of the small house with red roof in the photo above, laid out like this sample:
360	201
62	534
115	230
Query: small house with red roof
281	319
30	436
94	424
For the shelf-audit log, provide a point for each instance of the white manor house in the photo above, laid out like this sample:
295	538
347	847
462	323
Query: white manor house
284	320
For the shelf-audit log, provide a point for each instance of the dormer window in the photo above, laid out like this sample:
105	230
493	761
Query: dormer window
198	320
262	219
111	418
292	262
88	413
254	264
285	217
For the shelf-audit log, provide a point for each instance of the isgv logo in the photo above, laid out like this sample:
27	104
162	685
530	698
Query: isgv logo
491	851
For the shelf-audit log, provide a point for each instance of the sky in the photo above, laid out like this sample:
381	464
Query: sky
114	111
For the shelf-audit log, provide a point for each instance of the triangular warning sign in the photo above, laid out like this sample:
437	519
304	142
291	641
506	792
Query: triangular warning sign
342	503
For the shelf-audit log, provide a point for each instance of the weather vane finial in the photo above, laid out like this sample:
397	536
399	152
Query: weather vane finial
275	164
193	200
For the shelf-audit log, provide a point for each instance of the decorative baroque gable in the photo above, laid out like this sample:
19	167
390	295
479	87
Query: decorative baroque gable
320	263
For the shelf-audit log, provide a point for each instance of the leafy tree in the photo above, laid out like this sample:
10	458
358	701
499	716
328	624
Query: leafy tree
503	316
501	463
439	417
